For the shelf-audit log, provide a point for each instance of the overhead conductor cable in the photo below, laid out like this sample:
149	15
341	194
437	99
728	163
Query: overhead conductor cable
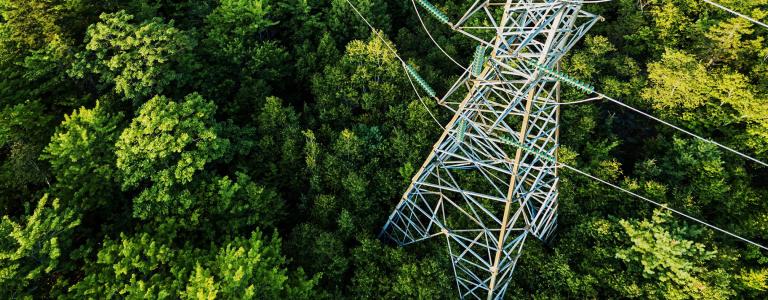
590	89
736	13
548	157
429	34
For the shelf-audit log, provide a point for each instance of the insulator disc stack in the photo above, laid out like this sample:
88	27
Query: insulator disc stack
434	11
423	83
478	61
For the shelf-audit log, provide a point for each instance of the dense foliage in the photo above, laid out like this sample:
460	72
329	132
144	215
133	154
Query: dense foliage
254	149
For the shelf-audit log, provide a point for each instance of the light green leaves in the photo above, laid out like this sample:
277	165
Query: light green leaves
660	248
32	248
708	99
680	85
238	20
138	59
362	86
144	266
166	144
754	280
81	154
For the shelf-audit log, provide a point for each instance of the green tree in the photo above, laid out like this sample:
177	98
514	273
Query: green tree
279	145
229	208
731	41
662	253
361	86
243	66
345	29
391	273
163	149
32	250
707	100
24	129
138	60
82	157
254	269
31	32
143	266
320	251
236	27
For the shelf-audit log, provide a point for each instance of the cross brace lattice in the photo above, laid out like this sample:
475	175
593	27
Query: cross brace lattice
491	179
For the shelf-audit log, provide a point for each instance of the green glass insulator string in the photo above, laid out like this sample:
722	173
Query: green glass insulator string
434	11
423	83
478	61
462	130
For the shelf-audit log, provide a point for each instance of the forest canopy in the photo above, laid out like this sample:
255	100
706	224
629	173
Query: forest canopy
255	148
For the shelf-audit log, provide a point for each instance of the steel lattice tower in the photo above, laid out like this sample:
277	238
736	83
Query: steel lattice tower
491	179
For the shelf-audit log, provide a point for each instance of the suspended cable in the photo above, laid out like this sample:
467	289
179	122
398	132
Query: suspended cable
664	206
404	65
550	158
647	115
736	13
416	9
580	101
373	29
601	96
589	88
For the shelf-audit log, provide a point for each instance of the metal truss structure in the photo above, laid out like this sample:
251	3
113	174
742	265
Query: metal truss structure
491	179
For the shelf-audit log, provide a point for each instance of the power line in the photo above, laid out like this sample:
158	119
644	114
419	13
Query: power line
416	9
403	63
647	115
627	106
429	34
603	96
663	206
376	32
580	101
736	13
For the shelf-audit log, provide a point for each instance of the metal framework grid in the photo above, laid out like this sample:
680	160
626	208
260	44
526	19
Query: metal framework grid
491	179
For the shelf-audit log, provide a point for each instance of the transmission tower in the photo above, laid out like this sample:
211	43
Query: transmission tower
491	179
